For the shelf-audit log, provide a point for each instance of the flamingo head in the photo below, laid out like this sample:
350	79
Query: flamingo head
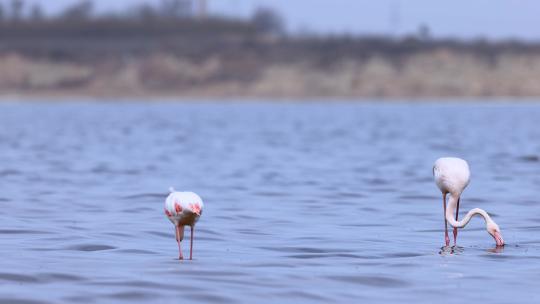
494	230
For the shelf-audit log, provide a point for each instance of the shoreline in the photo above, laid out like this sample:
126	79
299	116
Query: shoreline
234	60
442	74
67	98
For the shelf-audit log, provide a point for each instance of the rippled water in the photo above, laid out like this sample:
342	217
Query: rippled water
305	203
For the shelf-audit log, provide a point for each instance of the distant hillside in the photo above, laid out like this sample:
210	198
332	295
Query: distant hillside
227	58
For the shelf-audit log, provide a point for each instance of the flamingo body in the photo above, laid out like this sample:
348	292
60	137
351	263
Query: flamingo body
183	209
452	175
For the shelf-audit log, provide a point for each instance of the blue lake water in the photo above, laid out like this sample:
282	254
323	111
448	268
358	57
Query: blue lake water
304	202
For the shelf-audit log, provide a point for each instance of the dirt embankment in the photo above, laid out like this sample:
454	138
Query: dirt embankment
231	59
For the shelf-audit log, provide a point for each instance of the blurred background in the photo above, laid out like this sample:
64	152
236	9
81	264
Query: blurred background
305	202
269	49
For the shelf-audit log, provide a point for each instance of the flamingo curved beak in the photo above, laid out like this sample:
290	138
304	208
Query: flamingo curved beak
498	238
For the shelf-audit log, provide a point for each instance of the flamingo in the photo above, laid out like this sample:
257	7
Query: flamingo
183	209
452	176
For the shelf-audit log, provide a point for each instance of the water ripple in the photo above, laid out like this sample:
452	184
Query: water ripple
19	278
373	281
91	247
20	301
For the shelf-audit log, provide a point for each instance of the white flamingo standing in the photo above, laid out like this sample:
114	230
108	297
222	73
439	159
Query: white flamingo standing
183	209
452	176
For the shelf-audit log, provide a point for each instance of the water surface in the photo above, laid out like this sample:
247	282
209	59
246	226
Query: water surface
305	203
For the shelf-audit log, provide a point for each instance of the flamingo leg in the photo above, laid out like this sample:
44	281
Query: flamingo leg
179	238
191	244
455	229
446	238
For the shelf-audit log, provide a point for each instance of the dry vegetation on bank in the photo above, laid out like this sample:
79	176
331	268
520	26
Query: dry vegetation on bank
148	53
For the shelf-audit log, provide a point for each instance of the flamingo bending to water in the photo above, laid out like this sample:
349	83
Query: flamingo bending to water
183	209
452	176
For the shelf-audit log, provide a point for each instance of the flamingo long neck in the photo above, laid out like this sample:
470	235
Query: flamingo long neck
450	211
